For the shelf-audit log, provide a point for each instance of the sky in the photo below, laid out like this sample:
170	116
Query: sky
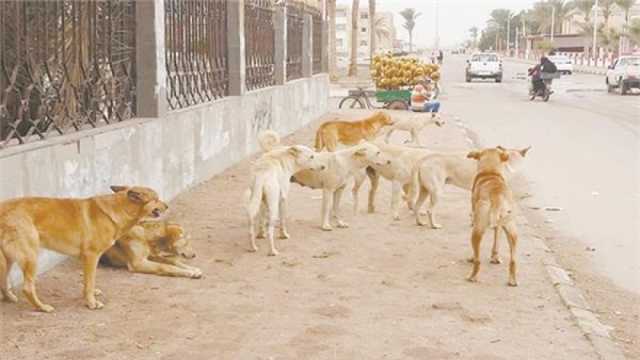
456	17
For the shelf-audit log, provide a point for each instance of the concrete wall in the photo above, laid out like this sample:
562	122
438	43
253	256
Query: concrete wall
169	154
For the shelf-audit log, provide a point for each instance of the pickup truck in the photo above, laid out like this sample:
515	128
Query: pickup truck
484	66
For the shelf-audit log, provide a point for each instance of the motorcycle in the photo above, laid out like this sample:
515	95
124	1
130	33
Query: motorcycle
543	91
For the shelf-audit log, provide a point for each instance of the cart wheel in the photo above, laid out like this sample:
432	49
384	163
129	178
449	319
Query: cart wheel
397	105
351	102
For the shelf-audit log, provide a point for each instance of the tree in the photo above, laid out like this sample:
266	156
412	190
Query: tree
626	6
372	28
410	15
383	29
333	57
634	31
499	19
585	7
355	15
607	10
543	10
474	36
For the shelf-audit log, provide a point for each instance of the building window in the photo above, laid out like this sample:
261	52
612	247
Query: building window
363	43
364	29
341	27
339	42
364	16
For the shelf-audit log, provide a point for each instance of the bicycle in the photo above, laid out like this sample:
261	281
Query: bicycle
392	99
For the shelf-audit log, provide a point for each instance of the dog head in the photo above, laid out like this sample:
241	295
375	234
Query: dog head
516	157
143	197
306	158
438	120
370	154
490	159
178	243
384	119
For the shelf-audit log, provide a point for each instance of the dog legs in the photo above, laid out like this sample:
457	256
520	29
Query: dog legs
388	136
90	263
415	138
476	238
146	266
327	205
273	201
422	197
435	196
512	236
396	189
495	259
374	178
337	196
284	234
5	266
358	180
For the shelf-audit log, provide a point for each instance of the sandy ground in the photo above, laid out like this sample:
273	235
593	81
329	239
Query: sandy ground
377	290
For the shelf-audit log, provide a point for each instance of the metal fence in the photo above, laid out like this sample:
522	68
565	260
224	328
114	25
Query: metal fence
316	17
196	51
295	26
65	65
259	36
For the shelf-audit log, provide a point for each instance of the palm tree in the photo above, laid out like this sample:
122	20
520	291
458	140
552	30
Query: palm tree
585	7
372	28
626	6
544	9
499	19
607	10
383	29
474	36
355	15
634	31
410	15
333	58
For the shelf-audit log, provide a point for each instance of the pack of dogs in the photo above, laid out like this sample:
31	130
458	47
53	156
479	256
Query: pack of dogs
123	229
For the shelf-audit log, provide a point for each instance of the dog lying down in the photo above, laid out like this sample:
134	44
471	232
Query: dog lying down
153	247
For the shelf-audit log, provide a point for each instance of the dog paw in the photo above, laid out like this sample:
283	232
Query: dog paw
470	260
396	217
495	260
195	274
253	249
436	226
47	308
260	236
371	210
512	283
420	223
273	252
10	297
95	305
327	228
472	279
284	235
97	292
422	213
342	225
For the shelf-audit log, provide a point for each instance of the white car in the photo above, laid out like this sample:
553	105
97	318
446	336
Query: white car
624	74
563	63
484	66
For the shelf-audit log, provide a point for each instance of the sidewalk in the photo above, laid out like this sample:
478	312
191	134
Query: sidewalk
377	290
576	68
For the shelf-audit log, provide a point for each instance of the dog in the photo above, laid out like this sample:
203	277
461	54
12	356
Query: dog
153	247
414	126
492	205
267	196
84	228
342	165
333	133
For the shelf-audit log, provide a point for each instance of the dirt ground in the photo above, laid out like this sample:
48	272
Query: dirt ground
377	290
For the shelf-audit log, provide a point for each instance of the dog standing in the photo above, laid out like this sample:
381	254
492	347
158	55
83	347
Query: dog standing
154	247
414	125
492	206
268	194
84	228
333	133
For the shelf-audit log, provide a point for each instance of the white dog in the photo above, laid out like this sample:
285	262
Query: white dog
414	126
270	187
341	166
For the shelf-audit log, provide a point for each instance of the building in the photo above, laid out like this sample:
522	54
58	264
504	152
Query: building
343	34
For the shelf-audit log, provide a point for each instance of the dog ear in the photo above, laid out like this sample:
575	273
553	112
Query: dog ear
293	151
504	156
473	155
524	151
136	196
117	188
360	153
499	147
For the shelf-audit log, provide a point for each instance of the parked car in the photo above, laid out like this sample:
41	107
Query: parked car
484	66
624	74
563	63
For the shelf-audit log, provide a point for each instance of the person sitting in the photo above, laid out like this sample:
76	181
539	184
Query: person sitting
421	99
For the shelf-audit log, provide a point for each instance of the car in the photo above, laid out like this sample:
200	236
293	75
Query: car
624	74
484	66
563	63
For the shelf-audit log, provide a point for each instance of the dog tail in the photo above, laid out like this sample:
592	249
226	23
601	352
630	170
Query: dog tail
268	140
319	145
253	197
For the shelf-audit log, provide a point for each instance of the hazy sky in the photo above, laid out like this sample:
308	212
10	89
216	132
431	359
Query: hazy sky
456	17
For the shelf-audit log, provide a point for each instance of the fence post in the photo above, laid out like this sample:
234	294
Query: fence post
236	47
280	48
151	71
307	46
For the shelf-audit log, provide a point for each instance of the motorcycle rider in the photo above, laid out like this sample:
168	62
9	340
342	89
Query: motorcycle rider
545	66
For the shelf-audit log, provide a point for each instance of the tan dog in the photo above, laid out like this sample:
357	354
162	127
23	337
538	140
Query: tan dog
492	206
414	125
269	191
154	247
84	228
332	133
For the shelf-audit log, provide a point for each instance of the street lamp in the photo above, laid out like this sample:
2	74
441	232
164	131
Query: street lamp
553	22
595	29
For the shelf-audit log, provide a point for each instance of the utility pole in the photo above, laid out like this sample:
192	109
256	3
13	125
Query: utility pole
595	29
437	39
517	42
553	21
508	33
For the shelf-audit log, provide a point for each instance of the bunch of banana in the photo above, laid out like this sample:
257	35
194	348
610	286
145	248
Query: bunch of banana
391	73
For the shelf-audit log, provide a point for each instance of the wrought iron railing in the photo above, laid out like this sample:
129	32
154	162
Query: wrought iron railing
196	51
316	17
295	26
259	43
65	65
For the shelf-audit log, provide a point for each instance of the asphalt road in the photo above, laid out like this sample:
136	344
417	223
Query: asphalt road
585	158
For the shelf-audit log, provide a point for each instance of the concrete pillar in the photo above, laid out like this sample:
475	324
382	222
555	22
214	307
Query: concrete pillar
280	49
151	70
325	46
236	47
307	46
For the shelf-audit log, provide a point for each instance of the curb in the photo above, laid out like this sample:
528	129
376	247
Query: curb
577	68
573	298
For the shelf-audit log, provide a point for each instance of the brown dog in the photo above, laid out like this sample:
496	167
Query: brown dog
332	133
492	205
83	228
154	247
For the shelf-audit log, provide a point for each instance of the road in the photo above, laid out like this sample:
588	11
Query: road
585	158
